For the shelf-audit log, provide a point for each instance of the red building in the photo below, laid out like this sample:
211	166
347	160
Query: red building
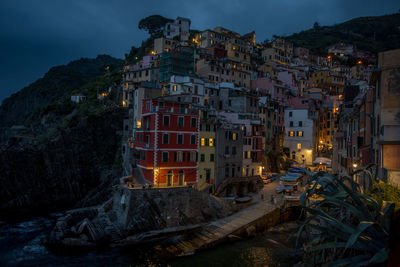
167	142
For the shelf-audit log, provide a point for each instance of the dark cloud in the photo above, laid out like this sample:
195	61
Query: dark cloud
36	35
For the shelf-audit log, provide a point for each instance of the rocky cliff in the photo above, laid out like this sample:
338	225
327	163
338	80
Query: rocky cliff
137	216
75	166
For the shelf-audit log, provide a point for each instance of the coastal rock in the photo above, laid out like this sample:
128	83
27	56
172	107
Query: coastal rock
137	216
251	231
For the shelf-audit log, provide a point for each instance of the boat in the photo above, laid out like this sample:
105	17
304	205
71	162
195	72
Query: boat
294	174
280	189
243	199
289	178
296	170
284	188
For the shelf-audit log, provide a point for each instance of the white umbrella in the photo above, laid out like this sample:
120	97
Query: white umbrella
322	160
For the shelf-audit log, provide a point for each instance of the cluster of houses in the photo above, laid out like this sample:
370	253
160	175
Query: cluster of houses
214	105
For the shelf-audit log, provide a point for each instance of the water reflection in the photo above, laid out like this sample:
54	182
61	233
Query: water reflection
20	245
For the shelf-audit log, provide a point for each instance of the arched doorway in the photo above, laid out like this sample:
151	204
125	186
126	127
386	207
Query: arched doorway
169	178
181	177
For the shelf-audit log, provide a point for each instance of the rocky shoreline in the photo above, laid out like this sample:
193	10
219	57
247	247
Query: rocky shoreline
134	217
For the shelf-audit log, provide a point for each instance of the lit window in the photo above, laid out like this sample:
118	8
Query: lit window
211	142
234	136
203	141
291	133
174	88
300	133
298	145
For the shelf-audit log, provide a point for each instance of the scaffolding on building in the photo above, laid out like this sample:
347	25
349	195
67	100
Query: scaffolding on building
180	62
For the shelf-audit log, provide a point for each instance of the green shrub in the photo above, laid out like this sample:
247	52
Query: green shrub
386	192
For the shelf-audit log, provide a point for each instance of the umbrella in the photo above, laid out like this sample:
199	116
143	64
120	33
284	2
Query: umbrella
322	160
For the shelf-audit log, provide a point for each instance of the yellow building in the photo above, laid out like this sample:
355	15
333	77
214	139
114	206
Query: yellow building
207	152
329	80
223	70
164	45
280	52
237	49
271	68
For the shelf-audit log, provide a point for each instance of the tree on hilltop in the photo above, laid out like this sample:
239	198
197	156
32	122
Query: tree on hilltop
153	24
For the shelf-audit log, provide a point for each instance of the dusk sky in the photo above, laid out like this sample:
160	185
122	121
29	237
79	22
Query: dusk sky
36	35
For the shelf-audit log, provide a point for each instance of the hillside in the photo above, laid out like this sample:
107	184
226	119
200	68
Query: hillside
375	34
59	82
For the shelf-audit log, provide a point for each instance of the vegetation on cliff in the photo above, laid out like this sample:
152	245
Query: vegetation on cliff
57	84
68	154
375	34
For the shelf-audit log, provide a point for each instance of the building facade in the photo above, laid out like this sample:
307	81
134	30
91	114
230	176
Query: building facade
167	142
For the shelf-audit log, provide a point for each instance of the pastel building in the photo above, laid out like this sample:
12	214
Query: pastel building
299	138
180	27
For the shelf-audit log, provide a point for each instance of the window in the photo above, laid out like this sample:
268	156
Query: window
193	140
300	133
207	142
300	124
165	156
166	120
226	150
174	88
179	156
290	114
298	145
211	141
193	123
180	139
165	139
202	141
233	150
212	157
291	123
202	157
180	121
161	104
226	171
291	133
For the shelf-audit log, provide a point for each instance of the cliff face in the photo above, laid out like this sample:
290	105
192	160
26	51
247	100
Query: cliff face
79	164
57	83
